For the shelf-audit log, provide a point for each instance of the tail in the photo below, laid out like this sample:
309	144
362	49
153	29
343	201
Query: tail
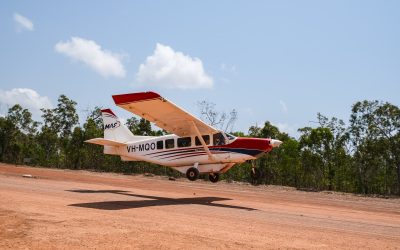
114	129
116	134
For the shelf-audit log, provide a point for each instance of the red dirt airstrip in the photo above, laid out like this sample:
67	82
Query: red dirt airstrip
65	209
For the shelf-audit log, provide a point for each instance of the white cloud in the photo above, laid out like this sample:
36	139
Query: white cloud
27	98
89	52
173	69
283	106
23	22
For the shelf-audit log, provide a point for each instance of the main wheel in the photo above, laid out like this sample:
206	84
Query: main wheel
255	173
192	174
213	177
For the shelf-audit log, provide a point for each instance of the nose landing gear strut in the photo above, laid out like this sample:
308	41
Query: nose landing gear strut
255	173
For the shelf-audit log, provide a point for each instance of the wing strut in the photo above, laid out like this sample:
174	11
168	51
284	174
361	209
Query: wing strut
203	143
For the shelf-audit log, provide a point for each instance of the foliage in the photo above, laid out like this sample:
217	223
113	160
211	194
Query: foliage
363	157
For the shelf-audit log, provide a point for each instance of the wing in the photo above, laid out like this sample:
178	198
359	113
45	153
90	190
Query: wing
166	115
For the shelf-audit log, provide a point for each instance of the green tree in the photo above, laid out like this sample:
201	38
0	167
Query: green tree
325	158
315	144
133	125
144	127
375	133
17	132
92	155
60	121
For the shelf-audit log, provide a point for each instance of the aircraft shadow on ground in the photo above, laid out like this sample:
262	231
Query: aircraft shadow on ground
149	201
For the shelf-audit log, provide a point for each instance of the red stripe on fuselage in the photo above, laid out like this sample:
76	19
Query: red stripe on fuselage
185	152
184	155
192	153
175	150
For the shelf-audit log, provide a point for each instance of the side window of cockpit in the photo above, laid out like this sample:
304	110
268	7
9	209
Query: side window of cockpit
160	144
170	143
206	139
218	139
184	142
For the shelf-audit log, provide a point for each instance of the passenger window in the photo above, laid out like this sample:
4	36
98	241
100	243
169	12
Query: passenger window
160	144
218	139
170	143
184	142
206	139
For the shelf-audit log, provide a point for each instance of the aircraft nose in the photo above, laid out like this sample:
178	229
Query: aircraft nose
275	143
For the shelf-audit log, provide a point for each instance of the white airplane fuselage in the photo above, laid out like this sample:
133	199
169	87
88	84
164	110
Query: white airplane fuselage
166	150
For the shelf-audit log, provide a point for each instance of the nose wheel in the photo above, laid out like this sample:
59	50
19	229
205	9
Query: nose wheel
192	173
213	177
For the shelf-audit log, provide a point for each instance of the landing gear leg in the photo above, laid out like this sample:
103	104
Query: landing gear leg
213	177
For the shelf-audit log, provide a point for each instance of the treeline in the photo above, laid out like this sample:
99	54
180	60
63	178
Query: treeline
363	157
58	141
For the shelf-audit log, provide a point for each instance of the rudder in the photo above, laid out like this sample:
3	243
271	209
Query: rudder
114	129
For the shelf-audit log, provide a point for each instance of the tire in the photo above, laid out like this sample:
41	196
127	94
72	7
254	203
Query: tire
255	173
213	177
192	174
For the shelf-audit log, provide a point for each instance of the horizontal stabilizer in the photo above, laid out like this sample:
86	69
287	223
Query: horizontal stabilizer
105	142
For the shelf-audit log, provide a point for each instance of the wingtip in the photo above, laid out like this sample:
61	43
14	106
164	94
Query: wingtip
135	97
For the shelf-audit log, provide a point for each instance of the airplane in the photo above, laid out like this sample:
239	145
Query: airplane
192	148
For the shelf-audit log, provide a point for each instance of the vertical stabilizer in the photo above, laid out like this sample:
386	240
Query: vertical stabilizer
114	129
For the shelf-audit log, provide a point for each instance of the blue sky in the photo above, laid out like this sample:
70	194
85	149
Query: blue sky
281	61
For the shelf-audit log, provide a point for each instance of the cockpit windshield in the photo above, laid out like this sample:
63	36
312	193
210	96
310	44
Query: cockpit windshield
230	137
